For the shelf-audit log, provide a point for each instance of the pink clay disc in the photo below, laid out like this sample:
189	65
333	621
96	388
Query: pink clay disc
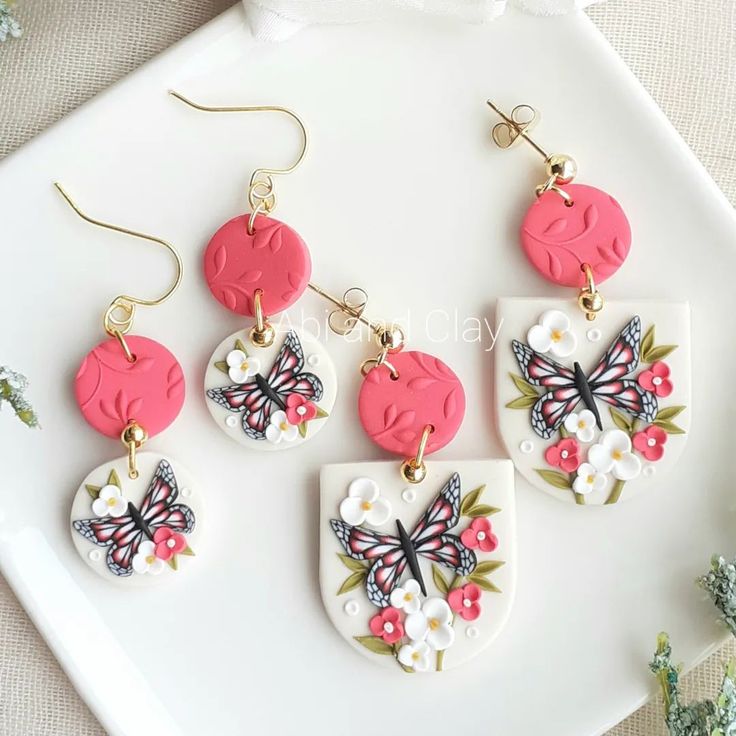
274	259
558	238
394	413
111	391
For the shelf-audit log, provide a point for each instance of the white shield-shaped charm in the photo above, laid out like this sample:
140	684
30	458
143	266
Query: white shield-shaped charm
418	578
593	412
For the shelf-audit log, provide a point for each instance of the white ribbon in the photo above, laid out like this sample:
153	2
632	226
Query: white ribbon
275	20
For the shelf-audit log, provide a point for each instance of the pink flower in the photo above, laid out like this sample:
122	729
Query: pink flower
479	534
168	543
387	624
656	379
564	455
299	409
464	601
650	442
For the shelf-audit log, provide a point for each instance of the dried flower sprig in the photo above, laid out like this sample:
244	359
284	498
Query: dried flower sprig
9	26
720	584
12	388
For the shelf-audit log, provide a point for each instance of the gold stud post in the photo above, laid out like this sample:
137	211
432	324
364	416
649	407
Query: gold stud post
133	437
414	470
590	300
262	334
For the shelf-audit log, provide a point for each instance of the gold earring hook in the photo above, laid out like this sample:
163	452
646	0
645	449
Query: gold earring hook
114	323
261	195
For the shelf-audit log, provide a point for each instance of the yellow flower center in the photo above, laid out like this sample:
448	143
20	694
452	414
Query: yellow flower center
408	597
415	656
434	624
556	335
581	424
110	502
366	505
590	479
284	426
617	454
150	559
244	365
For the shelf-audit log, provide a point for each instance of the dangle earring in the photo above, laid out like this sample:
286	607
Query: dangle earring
126	521
269	387
417	559
592	396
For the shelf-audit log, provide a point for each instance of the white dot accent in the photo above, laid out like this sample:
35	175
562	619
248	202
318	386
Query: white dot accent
231	421
651	442
593	334
95	555
351	608
480	536
472	632
170	544
467	602
186	492
314	360
657	381
388	627
564	454
409	495
301	411
649	470
526	446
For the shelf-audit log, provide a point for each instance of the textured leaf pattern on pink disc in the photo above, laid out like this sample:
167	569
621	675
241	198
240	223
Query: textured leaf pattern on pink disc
395	412
558	239
111	391
274	259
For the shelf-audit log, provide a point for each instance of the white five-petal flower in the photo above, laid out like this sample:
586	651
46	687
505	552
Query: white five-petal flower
407	596
145	560
279	429
241	367
432	623
553	334
415	655
588	479
581	425
613	455
110	501
364	503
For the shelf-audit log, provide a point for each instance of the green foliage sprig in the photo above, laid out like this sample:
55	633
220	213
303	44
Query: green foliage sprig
12	388
9	26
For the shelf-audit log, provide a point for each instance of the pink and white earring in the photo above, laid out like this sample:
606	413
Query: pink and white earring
138	516
592	398
270	387
417	559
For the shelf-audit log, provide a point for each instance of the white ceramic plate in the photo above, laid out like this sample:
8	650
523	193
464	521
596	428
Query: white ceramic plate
403	194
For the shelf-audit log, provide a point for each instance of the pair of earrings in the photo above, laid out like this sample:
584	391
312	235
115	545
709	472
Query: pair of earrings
274	388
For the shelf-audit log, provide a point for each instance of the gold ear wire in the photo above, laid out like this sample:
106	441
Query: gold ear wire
261	195
115	324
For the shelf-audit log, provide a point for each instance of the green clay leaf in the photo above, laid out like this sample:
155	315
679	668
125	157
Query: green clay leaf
622	421
647	342
658	353
173	564
470	499
524	386
481	510
483	583
221	365
487	567
321	413
113	479
188	551
440	581
669	427
563	432
555	478
669	412
351	564
239	346
353	581
523	402
375	644
302	427
94	491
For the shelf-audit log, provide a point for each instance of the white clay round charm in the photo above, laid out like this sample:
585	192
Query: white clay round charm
270	398
141	531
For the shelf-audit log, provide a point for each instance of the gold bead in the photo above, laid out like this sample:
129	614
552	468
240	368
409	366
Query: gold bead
134	433
391	338
263	338
562	167
413	473
591	303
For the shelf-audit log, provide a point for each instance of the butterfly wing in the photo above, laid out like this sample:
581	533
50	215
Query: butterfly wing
431	538
550	410
248	399
286	376
383	550
158	508
119	534
607	380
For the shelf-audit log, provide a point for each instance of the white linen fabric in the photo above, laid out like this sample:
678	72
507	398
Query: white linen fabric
275	20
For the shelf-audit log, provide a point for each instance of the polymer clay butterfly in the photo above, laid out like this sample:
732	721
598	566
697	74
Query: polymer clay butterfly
390	554
567	388
261	397
158	521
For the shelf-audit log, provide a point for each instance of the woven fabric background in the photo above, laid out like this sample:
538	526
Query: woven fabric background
684	53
